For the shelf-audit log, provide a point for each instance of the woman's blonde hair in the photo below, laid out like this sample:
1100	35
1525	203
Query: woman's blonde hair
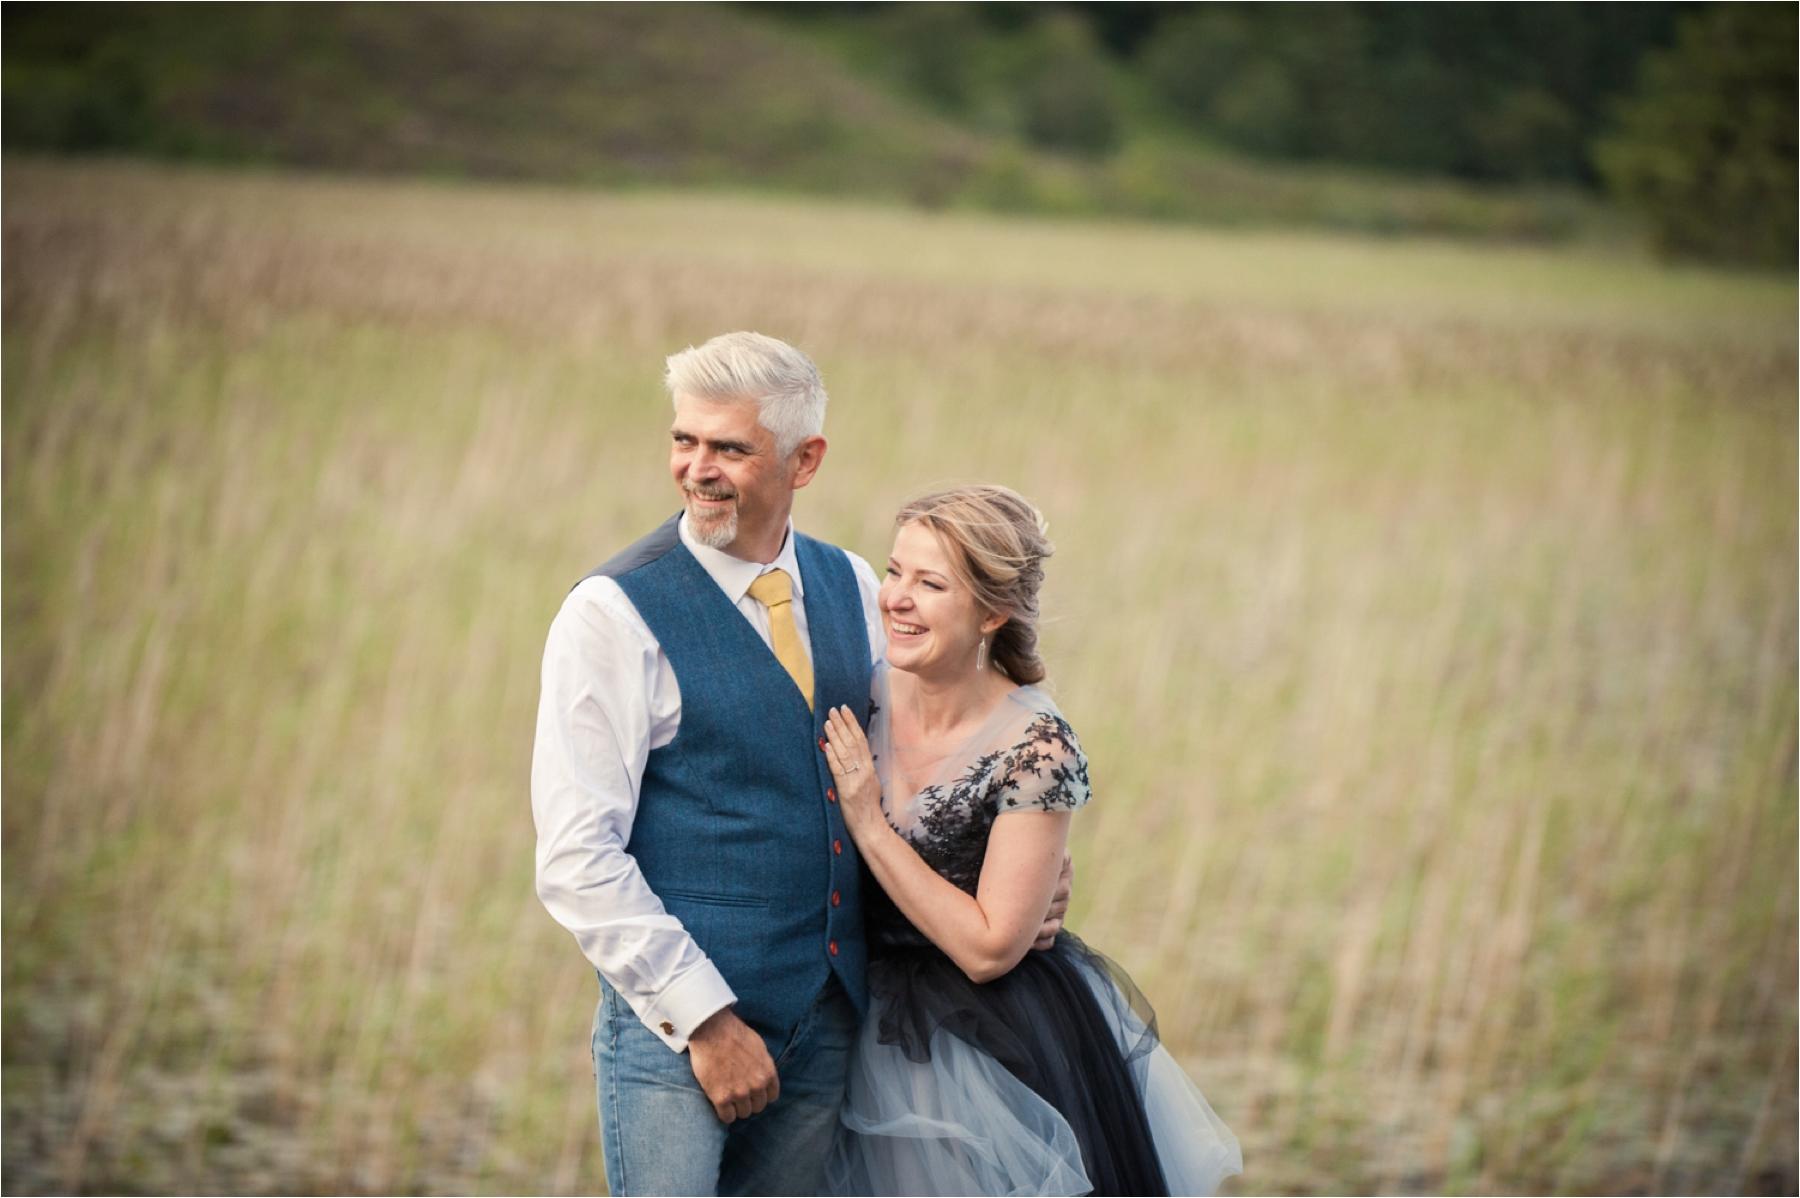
997	543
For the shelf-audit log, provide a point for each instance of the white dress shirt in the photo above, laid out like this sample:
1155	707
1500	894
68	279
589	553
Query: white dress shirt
609	697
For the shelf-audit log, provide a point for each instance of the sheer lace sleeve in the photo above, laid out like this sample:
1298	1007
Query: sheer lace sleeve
1046	770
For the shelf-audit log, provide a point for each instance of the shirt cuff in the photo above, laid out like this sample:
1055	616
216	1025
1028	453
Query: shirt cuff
687	1003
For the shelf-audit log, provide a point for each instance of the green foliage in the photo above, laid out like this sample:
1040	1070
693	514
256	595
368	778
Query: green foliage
934	51
1705	149
1064	90
73	81
1195	55
1483	91
1018	109
1043	80
546	92
1529	134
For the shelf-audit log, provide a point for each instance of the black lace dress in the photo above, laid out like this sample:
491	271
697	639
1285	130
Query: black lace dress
1048	1080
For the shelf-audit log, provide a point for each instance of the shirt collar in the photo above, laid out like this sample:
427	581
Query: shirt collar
733	574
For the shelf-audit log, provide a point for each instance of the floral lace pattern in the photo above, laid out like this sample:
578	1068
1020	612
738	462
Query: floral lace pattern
1043	769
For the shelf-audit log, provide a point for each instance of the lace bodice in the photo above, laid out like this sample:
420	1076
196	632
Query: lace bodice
1024	758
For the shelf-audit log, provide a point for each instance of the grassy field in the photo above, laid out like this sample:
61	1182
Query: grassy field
1428	614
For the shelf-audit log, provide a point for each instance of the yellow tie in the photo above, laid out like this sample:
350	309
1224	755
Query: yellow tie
775	591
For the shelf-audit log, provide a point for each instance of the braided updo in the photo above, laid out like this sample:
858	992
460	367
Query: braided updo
997	543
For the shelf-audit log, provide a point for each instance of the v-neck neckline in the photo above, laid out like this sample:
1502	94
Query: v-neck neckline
959	753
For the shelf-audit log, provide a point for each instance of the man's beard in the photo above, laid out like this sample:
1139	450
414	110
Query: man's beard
715	528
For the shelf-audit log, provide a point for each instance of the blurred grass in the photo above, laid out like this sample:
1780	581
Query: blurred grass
1427	611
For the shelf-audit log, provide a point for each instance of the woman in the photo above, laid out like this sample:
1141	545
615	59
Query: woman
983	1067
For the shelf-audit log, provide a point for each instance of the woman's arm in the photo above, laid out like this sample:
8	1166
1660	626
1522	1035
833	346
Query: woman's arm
985	935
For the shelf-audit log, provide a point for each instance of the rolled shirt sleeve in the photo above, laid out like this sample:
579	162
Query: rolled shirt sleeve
605	703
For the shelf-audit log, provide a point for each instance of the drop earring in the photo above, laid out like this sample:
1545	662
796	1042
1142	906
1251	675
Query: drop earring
981	656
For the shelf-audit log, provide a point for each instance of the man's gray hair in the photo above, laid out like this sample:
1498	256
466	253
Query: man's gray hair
784	383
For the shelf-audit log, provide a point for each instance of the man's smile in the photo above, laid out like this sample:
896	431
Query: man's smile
708	497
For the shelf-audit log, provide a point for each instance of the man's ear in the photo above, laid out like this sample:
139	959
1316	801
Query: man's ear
806	458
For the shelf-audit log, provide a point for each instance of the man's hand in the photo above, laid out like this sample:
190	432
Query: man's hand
1059	906
733	1066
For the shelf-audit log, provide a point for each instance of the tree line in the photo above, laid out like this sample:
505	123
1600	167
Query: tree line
1501	117
1682	112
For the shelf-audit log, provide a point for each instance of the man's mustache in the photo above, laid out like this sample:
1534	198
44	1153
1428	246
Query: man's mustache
707	492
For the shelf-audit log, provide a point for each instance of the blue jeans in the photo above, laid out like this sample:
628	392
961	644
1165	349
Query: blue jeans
659	1133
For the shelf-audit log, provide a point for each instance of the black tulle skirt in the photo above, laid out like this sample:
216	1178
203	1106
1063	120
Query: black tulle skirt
1048	1080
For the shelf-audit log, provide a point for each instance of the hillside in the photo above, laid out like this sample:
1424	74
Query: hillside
522	91
628	94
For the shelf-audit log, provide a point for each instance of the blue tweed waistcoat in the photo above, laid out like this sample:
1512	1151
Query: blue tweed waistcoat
738	830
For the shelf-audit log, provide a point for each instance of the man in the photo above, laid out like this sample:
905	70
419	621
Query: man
688	830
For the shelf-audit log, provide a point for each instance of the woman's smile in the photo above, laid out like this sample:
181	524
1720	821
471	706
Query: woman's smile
922	586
